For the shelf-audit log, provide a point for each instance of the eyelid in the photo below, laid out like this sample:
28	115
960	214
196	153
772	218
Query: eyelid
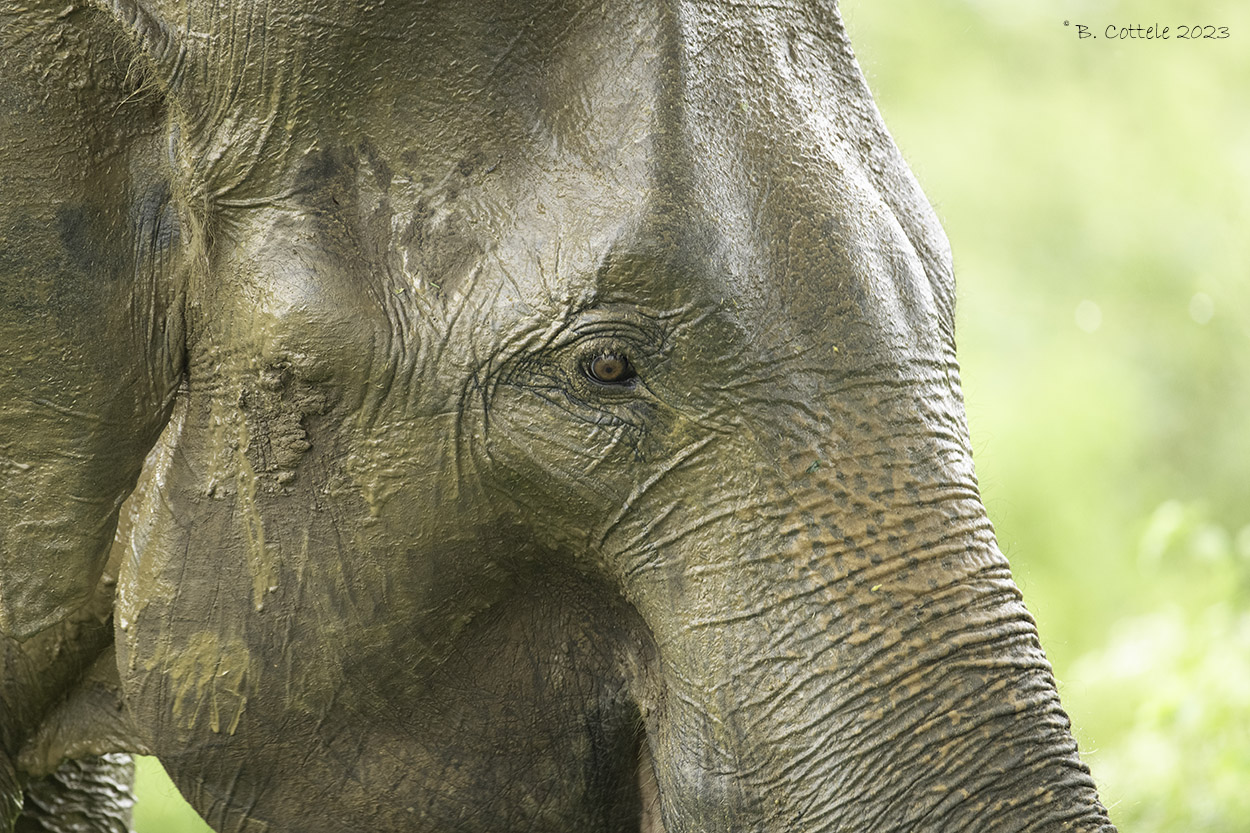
617	324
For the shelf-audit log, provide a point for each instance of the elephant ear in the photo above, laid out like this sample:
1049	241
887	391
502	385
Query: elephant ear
90	336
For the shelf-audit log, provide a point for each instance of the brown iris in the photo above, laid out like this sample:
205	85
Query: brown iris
610	369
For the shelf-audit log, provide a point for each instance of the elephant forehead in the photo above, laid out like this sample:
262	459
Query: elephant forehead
646	178
438	285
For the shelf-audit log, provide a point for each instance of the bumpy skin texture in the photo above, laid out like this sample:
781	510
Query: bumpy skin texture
399	560
87	795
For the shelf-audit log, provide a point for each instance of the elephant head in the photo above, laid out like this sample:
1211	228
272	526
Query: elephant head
566	434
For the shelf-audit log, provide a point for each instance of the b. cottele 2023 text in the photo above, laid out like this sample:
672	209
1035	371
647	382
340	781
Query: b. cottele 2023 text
1156	32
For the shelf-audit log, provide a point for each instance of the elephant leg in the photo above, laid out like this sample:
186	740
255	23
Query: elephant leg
87	795
63	727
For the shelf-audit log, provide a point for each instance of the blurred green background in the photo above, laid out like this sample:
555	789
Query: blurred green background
1097	197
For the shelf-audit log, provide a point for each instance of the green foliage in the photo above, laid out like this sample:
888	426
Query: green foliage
1170	692
1096	196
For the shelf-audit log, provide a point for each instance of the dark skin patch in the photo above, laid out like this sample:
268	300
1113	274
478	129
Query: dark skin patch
81	231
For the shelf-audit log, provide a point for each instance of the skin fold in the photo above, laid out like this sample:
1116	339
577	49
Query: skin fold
543	418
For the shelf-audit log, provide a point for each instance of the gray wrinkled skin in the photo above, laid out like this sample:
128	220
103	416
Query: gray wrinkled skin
544	417
87	795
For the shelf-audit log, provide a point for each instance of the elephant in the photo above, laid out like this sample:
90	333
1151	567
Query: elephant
460	416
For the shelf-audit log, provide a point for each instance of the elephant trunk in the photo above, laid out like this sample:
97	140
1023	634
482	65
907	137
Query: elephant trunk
848	681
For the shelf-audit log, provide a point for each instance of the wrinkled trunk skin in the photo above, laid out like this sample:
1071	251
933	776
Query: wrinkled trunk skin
407	558
879	673
840	644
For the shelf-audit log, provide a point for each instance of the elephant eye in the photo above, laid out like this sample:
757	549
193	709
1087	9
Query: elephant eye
611	369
